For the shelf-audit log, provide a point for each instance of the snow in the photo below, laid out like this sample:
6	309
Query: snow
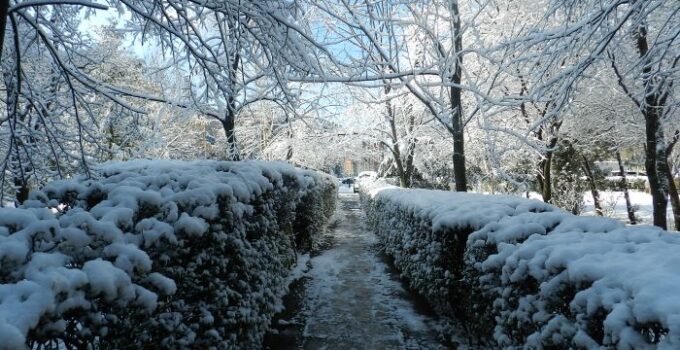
530	275
351	300
167	285
153	230
128	257
443	208
628	274
614	205
300	269
108	280
191	226
343	188
21	306
103	253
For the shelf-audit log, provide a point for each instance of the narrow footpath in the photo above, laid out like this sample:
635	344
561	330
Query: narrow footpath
349	298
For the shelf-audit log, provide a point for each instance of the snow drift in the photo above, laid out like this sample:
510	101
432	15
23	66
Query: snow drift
529	275
157	254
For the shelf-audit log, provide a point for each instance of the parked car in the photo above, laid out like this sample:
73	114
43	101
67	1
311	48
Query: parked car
628	173
615	175
348	181
347	185
367	175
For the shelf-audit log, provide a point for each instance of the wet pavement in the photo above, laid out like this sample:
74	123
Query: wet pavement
349	297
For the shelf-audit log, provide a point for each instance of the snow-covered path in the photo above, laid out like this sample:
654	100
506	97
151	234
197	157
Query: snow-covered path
349	298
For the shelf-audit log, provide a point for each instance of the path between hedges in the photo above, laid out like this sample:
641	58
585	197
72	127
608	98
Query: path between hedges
349	297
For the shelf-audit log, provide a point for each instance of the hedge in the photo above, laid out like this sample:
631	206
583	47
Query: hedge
162	254
520	273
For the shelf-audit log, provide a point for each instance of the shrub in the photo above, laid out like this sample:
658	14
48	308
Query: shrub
157	254
524	274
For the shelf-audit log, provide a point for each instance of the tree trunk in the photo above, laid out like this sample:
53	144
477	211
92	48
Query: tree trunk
4	7
658	183
545	177
289	133
672	187
624	187
459	162
457	106
540	179
545	164
593	186
229	131
12	82
229	121
675	198
403	170
22	189
410	148
655	152
289	153
404	180
409	168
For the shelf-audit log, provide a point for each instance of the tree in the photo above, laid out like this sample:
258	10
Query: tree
576	38
396	123
434	73
233	52
262	128
607	123
50	117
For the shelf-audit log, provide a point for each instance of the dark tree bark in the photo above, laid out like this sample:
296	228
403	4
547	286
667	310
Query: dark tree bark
545	177
548	134
404	179
289	133
675	199
229	121
4	7
394	147
410	155
403	162
229	131
587	169
409	168
656	91
672	188
457	106
13	83
545	169
655	152
624	187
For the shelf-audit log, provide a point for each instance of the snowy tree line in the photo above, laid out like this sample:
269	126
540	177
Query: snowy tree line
492	95
542	89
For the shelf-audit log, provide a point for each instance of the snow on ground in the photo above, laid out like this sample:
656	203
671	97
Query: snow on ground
352	301
343	188
614	205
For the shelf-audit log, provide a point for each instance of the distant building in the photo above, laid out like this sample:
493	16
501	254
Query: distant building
349	167
368	161
363	156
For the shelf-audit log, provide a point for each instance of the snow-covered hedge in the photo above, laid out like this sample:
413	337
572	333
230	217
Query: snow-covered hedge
529	275
159	254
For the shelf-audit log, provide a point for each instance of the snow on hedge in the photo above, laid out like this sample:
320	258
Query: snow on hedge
157	254
529	275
